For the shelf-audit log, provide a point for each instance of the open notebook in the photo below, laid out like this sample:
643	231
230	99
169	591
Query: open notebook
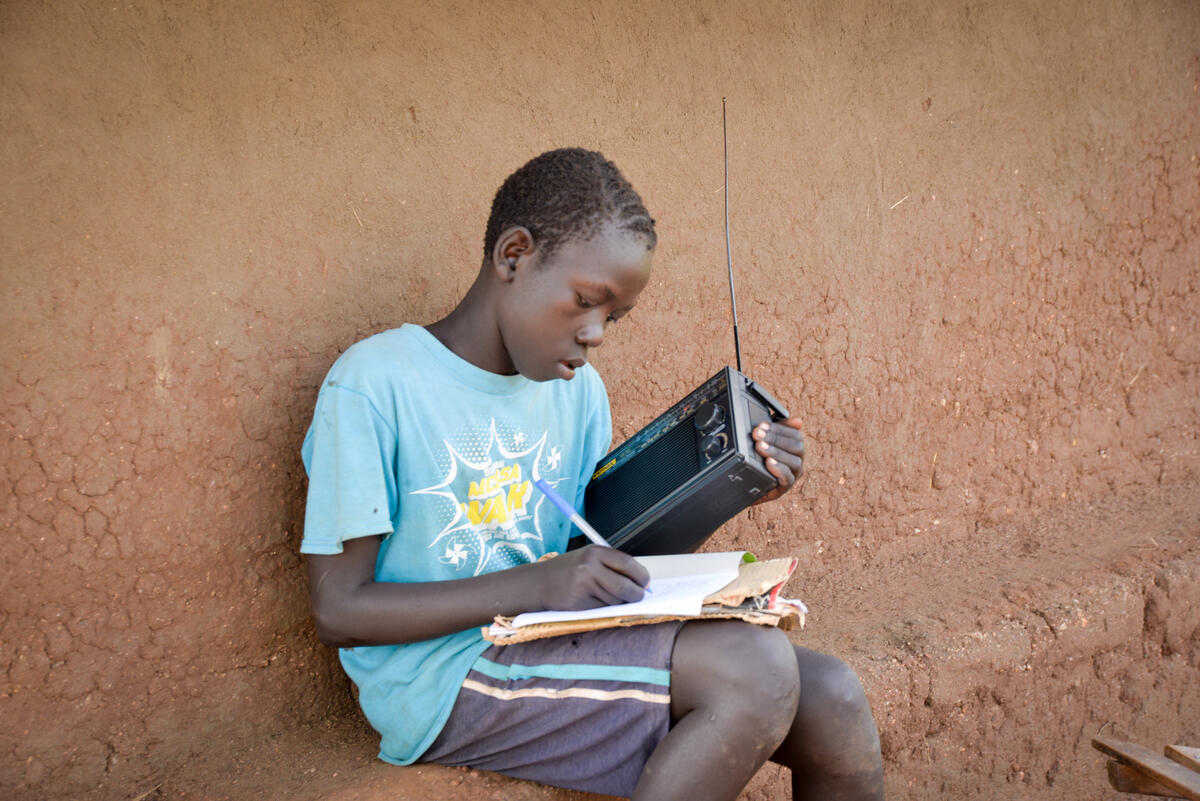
731	584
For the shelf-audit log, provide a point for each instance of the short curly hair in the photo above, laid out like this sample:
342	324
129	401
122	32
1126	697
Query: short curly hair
564	195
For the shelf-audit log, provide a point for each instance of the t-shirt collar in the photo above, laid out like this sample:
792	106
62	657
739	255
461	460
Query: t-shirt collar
469	374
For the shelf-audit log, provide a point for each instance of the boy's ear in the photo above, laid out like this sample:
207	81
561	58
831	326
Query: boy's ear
513	248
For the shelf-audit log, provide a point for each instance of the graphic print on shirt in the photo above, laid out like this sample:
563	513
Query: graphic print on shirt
493	521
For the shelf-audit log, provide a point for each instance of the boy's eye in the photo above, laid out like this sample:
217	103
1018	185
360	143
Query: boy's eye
583	302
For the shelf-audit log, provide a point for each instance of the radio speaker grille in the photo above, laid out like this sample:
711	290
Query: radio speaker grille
654	473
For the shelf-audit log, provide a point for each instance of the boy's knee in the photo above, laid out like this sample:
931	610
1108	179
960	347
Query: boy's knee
740	670
761	663
835	733
834	692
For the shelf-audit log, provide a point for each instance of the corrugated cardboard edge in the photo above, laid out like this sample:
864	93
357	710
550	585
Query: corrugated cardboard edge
785	618
754	579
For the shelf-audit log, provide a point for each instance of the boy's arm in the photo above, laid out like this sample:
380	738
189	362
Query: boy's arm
352	609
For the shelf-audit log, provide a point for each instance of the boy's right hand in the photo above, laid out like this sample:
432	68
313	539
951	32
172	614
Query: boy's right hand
589	577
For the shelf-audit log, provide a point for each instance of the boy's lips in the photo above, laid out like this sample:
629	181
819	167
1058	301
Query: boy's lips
569	366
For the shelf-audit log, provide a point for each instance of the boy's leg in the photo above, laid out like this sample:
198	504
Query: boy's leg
833	745
734	689
740	692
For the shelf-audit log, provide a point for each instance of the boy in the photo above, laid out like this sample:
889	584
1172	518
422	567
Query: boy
422	525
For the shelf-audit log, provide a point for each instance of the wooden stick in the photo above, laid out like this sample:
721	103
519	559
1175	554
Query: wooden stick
1175	776
1184	755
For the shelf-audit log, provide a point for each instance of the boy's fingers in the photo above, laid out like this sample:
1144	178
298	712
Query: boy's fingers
780	435
621	589
785	458
783	443
786	477
626	565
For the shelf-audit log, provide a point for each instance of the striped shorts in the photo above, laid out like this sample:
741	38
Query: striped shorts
581	711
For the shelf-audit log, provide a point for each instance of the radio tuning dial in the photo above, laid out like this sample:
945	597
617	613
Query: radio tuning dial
714	444
709	417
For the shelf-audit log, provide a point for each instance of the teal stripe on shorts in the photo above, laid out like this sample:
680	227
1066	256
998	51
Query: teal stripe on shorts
644	675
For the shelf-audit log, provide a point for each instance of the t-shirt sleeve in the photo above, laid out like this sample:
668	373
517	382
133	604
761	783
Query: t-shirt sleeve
350	455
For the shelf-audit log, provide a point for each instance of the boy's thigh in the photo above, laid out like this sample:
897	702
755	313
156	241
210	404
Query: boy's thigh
580	711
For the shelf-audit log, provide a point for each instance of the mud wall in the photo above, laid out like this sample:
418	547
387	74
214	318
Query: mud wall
966	237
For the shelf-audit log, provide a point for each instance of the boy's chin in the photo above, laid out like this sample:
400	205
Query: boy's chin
559	370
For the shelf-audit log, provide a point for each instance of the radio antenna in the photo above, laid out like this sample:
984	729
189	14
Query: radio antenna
737	346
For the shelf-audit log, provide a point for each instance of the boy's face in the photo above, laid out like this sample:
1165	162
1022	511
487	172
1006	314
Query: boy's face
552	312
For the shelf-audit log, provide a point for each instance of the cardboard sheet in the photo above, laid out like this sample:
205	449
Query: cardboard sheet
751	595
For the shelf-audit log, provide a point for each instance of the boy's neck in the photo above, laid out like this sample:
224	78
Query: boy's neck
471	333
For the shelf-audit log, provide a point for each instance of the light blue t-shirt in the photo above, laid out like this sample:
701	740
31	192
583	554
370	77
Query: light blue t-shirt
410	441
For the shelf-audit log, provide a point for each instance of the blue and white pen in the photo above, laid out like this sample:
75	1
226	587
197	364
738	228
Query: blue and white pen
570	512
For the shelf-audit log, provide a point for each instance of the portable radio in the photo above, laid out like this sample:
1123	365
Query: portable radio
667	488
671	485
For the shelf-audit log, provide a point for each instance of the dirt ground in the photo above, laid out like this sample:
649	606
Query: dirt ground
968	248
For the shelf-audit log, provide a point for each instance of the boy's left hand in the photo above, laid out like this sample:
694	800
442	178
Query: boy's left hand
782	445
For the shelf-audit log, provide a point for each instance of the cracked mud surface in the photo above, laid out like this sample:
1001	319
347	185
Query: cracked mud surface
966	241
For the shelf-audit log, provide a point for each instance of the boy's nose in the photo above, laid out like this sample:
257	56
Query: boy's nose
590	335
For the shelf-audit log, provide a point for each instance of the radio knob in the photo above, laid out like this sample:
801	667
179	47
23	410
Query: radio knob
714	444
709	417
